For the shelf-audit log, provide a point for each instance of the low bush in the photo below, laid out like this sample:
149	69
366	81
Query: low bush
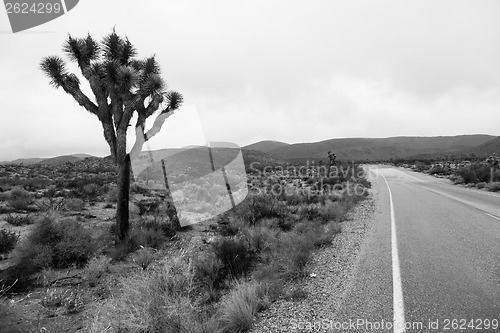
19	219
8	240
112	196
481	185
50	244
493	187
257	207
20	199
75	204
144	257
96	268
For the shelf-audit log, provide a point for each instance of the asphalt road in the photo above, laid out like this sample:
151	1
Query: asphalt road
433	265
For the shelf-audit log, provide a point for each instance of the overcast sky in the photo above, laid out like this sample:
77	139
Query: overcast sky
293	71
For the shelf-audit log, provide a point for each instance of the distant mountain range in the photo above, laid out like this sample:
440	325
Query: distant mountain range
373	149
49	161
357	149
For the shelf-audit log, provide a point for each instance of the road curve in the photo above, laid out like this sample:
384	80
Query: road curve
448	251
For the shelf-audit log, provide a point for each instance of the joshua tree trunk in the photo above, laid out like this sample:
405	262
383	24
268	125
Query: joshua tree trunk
171	210
122	212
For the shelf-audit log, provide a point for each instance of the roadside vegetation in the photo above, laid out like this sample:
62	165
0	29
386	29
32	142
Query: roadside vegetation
466	170
63	269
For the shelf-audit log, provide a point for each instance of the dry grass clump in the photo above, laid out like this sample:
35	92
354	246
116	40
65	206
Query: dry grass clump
239	308
159	299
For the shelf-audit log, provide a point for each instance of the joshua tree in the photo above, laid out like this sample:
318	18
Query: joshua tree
331	161
122	86
492	161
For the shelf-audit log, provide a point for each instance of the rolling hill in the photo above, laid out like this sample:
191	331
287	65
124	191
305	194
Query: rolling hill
276	152
372	149
266	146
49	161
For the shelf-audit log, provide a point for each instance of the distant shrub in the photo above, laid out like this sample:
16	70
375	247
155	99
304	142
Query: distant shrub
493	187
257	207
112	196
75	204
8	240
91	190
481	185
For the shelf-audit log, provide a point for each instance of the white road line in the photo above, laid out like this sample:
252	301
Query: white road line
493	216
420	180
397	289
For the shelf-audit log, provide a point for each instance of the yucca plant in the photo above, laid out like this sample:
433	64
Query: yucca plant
123	85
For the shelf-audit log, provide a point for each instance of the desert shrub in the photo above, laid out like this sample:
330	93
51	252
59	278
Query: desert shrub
91	190
309	212
75	204
474	173
19	219
481	185
55	244
147	206
8	240
144	257
256	207
70	299
241	305
4	196
112	196
20	199
152	231
95	269
493	187
332	211
229	225
235	256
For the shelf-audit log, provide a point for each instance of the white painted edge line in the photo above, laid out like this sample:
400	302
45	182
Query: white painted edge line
420	180
493	216
397	288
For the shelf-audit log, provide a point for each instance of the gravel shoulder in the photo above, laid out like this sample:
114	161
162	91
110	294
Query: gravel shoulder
330	273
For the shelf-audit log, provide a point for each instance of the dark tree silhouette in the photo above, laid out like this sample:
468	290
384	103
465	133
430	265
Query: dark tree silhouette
492	161
122	85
